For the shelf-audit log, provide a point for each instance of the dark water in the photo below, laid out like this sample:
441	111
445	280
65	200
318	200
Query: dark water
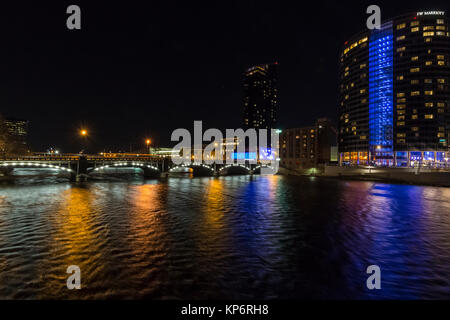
235	237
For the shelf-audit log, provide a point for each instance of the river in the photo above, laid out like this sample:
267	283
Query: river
236	237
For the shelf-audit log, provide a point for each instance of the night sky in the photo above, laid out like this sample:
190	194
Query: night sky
136	70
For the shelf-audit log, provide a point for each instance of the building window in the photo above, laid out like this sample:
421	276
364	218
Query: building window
414	81
415	93
414	116
415	29
429	104
429	116
426	28
414	70
415	58
414	23
429	92
401	38
441	63
399	77
440	21
428	34
401	26
401	49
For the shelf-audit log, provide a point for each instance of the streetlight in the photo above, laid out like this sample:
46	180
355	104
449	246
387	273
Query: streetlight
83	133
148	142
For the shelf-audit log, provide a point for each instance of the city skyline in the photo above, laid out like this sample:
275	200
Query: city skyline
229	159
163	76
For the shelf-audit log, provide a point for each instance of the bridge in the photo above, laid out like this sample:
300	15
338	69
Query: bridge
79	167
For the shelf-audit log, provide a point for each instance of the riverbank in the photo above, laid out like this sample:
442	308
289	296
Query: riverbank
416	176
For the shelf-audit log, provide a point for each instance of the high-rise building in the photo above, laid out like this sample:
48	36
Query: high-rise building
18	130
394	92
308	147
260	96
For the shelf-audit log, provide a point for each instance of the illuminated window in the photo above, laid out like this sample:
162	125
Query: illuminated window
440	21
414	70
428	80
415	29
428	63
440	28
441	80
402	100
400	94
401	135
362	66
429	116
415	129
441	104
429	104
415	93
401	118
401	49
440	33
401	123
440	57
415	58
401	26
401	106
362	91
415	81
429	93
401	141
428	34
399	77
414	116
426	28
401	38
441	63
401	111
414	23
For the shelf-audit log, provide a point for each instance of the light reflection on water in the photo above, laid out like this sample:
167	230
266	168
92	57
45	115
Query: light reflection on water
235	237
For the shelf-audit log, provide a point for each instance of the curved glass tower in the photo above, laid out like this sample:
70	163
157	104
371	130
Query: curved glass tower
394	93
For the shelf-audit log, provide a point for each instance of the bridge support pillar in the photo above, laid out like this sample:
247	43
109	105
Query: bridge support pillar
6	171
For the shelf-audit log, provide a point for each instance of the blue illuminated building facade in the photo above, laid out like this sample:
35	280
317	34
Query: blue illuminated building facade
381	101
394	93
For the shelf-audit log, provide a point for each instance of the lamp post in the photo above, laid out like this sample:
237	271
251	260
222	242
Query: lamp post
148	142
83	134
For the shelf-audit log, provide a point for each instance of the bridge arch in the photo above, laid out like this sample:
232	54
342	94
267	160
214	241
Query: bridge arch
234	168
148	170
198	168
32	165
